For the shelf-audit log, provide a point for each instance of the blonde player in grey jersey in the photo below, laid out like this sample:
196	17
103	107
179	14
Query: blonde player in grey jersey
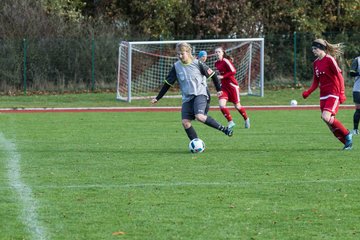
355	72
189	73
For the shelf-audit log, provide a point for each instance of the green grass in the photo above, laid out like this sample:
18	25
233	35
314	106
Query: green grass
272	97
93	174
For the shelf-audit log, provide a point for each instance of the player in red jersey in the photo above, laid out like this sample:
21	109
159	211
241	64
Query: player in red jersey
229	86
328	76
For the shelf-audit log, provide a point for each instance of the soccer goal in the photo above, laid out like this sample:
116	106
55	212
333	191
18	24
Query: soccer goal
143	66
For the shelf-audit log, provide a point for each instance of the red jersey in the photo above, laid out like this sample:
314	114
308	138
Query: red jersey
328	76
227	70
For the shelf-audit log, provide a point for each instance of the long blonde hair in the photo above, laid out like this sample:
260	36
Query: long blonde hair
184	46
335	50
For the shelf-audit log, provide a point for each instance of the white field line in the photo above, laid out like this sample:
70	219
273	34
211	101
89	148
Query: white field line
192	184
28	216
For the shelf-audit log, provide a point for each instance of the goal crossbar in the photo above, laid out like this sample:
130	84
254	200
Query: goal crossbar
143	65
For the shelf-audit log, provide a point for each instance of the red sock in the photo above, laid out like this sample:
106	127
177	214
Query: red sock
242	111
225	111
339	130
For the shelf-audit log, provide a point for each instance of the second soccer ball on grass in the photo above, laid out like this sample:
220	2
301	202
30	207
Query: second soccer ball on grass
293	102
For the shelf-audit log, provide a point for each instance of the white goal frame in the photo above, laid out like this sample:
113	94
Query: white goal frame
124	88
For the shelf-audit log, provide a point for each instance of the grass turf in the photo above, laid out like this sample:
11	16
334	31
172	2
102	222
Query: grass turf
272	97
95	174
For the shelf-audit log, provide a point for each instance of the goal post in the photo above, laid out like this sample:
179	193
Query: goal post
143	66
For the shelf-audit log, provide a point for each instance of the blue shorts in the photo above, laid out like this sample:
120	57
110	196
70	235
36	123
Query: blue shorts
197	105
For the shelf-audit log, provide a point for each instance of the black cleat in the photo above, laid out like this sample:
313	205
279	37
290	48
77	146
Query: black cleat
228	131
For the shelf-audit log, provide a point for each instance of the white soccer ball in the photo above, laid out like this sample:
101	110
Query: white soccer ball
196	145
293	102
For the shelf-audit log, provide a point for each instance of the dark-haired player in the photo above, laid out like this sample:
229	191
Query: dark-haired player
229	87
355	72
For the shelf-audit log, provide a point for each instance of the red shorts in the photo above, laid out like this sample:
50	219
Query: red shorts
231	93
330	103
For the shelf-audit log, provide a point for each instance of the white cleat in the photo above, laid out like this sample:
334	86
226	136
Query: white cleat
247	123
348	142
231	124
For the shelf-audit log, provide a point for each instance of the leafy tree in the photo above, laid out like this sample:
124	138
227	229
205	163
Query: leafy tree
25	18
70	10
214	18
316	16
159	18
110	20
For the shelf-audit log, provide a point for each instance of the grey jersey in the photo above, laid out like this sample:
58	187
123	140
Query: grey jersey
191	78
356	67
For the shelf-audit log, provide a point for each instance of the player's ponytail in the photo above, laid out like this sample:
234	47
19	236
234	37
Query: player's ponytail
335	50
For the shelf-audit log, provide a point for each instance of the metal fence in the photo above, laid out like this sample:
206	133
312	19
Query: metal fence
58	64
71	65
289	56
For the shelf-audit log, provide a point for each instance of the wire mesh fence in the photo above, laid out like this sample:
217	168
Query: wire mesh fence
90	64
58	65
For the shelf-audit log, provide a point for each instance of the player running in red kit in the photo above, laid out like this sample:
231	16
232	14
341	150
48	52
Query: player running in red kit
229	86
328	77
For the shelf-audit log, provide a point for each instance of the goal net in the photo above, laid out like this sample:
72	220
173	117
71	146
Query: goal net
143	66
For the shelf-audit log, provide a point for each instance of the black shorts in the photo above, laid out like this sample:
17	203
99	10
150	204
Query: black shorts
356	97
197	105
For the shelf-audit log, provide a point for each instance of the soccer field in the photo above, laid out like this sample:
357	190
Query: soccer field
129	175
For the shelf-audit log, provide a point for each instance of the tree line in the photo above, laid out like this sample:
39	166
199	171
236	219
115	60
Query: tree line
171	19
276	20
